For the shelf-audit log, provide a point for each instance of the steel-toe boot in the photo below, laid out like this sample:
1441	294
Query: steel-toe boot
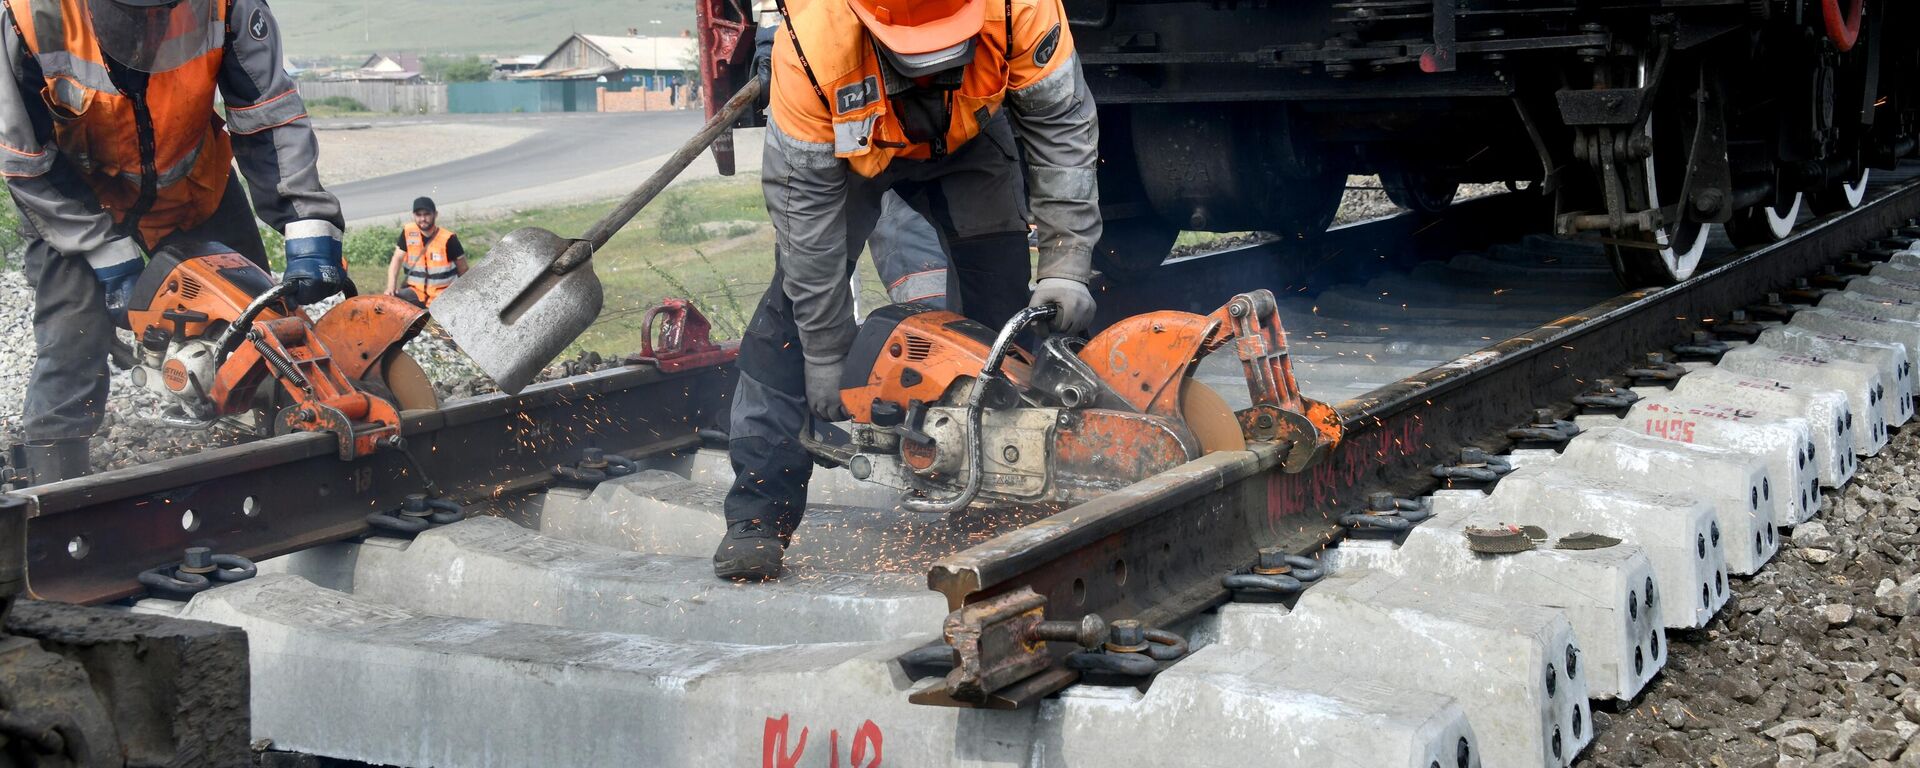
751	551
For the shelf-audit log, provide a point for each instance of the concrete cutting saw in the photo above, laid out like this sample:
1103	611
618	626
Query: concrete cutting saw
219	339
956	412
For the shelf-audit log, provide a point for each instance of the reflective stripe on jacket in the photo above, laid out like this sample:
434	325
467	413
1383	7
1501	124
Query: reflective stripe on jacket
863	128
429	269
161	159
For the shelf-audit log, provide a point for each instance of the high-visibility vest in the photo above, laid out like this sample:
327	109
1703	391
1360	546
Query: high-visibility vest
429	270
175	178
850	109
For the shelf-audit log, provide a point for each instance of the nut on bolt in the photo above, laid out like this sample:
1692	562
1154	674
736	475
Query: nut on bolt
198	560
1272	562
1473	457
1127	636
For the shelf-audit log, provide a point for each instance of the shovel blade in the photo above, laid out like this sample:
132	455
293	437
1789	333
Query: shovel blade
512	315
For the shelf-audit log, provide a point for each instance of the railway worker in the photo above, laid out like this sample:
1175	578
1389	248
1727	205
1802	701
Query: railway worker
430	256
111	146
906	250
872	95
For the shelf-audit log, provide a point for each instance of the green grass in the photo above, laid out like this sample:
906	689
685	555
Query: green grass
315	28
708	241
724	266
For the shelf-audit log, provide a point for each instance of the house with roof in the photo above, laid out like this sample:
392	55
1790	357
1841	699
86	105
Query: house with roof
385	67
622	62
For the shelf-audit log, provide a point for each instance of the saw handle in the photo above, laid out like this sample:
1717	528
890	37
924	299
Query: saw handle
976	400
230	340
604	230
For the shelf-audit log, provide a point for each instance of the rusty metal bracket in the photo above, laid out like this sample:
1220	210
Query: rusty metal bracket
683	336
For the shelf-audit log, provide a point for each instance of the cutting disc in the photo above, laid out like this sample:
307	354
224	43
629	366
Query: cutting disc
1210	418
408	382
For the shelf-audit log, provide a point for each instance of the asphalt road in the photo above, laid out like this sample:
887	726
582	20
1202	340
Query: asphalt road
567	147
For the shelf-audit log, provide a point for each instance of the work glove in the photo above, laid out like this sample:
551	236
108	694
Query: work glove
1075	302
117	265
823	390
314	268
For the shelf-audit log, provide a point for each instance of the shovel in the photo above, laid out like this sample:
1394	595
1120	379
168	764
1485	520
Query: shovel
536	292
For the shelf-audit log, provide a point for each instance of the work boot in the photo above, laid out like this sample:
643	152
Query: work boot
751	551
50	461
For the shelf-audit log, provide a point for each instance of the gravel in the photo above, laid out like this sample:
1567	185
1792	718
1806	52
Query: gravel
1814	662
131	432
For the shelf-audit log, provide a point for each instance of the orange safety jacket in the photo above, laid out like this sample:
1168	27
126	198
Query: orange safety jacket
842	98
429	270
159	163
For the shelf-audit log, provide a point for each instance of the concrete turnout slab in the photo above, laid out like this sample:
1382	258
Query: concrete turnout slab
1860	382
359	680
1877	306
1825	410
1515	668
1860	326
1895	368
489	568
1295	717
1735	483
1675	531
1602	592
1785	441
666	512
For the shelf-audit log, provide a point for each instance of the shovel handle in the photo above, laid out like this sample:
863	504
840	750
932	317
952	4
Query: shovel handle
605	229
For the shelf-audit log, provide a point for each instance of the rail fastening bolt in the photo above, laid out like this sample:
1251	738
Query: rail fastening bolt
1272	562
1473	457
1126	636
1011	454
197	560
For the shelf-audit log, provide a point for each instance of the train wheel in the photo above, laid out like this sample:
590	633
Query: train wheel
1763	224
1133	246
1839	196
1670	252
1418	192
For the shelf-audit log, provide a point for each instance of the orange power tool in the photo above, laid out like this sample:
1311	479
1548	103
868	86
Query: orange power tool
218	337
935	397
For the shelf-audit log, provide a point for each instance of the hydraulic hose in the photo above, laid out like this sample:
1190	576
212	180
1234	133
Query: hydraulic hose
1843	30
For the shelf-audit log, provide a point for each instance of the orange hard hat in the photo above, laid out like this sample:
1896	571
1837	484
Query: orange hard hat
921	26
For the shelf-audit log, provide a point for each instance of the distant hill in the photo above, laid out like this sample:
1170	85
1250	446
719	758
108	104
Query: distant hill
317	28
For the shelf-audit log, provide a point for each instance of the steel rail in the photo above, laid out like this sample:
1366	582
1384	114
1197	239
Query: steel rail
1157	550
89	538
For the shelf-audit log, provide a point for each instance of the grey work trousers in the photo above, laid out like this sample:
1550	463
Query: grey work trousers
907	254
67	392
972	198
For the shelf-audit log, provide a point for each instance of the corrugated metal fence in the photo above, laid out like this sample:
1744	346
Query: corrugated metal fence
382	97
528	96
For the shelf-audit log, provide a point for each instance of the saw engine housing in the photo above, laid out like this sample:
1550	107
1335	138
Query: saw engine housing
215	335
1068	423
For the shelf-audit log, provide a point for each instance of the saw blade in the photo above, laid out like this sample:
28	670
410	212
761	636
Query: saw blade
408	382
1210	418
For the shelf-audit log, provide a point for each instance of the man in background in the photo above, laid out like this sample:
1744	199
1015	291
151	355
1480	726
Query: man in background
430	256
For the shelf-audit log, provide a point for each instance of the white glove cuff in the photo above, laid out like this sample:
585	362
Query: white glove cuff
115	253
306	228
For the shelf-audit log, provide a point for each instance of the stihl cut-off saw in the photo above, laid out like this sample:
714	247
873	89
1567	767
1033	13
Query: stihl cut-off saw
218	337
954	411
